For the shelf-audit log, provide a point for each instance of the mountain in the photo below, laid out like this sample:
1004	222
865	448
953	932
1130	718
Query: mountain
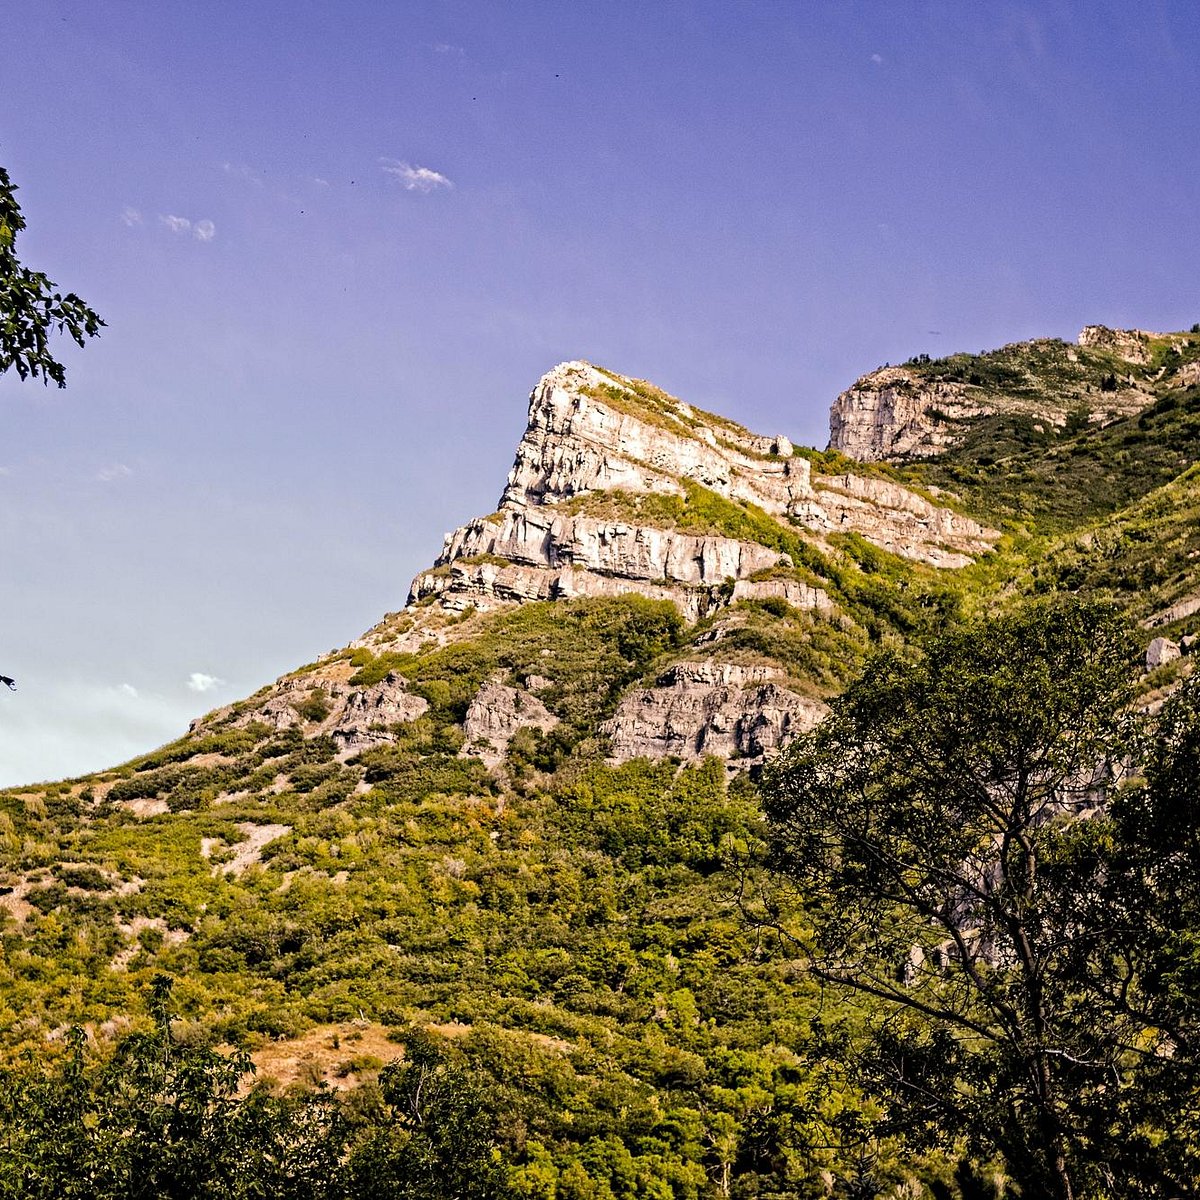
520	812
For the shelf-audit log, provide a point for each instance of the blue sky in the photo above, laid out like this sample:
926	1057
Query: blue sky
337	244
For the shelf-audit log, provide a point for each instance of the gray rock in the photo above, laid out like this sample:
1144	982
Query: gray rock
588	431
495	715
700	708
1161	650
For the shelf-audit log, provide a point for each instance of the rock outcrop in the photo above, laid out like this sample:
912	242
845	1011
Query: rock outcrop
618	489
1132	345
894	413
921	409
354	717
700	708
1160	652
591	433
495	715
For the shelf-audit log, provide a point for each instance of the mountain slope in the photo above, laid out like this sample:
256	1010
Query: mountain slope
514	811
928	406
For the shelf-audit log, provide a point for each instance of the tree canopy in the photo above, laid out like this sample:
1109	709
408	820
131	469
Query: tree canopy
165	1120
31	307
974	848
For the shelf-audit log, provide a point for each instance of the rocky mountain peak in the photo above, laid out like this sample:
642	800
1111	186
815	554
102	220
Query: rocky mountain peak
607	496
620	489
1131	345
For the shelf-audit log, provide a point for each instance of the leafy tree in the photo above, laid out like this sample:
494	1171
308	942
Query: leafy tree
1149	973
162	1120
434	1138
30	307
929	825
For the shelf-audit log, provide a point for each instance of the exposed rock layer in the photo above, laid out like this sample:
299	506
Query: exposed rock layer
595	445
590	432
496	714
701	708
901	412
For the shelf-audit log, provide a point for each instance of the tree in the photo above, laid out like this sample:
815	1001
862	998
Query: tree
434	1138
30	307
932	827
1150	971
162	1120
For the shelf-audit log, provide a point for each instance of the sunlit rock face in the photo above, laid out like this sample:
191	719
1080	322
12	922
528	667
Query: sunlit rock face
618	489
700	708
920	409
592	433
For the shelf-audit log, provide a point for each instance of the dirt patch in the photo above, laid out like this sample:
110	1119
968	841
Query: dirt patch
133	928
247	853
340	1055
14	900
145	806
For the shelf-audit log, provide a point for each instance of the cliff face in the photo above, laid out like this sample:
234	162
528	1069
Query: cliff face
594	434
924	407
618	489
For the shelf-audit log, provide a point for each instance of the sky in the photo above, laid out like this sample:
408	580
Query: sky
336	245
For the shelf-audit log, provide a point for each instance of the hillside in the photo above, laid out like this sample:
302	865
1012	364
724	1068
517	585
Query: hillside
926	407
521	811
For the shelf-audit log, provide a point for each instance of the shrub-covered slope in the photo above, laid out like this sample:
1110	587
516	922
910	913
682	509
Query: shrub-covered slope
521	812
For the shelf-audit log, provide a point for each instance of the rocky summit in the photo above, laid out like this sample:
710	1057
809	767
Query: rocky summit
619	489
923	407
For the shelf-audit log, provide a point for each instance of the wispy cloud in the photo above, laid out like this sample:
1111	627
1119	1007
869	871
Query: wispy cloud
877	59
198	681
414	179
127	689
447	48
116	471
202	231
242	171
131	216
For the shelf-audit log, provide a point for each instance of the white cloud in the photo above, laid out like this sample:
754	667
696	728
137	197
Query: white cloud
202	231
127	689
116	471
447	48
877	59
415	179
131	216
198	681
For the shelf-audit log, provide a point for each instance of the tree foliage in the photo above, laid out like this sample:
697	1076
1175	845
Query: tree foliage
31	308
946	826
161	1120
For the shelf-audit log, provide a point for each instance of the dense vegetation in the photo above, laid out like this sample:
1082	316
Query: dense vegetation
943	830
1051	478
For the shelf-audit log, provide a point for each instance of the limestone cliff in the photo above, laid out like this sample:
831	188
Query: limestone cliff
925	406
700	708
594	433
